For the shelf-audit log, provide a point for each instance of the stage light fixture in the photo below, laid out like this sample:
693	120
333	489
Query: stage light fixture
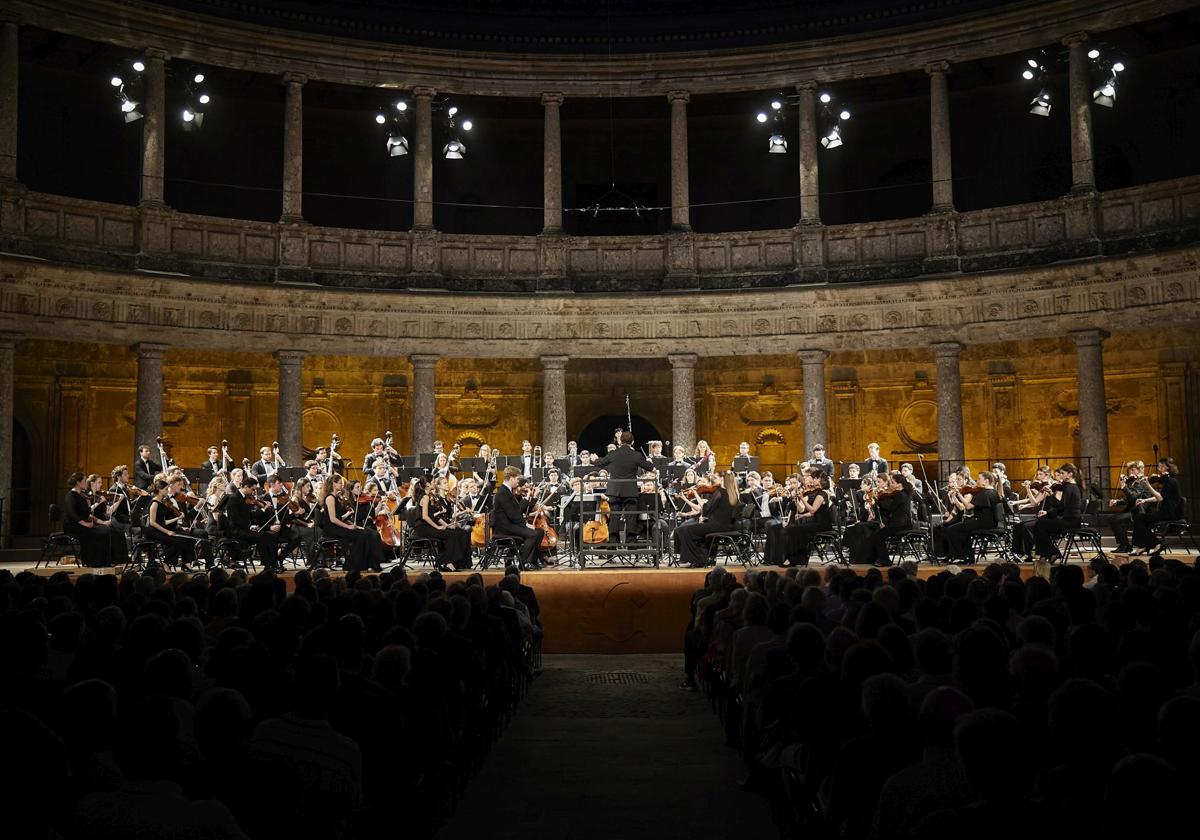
205	99
776	105
762	117
1118	67
116	81
1040	105
452	110
467	125
833	138
397	145
1093	53
826	98
198	78
380	118
845	115
138	66
188	115
1027	74
777	145
454	150
1105	95
401	106
129	108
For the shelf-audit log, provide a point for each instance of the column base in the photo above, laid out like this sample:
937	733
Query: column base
1082	191
291	219
153	204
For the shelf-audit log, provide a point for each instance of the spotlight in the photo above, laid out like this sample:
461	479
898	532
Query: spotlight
198	78
138	66
467	125
776	105
130	109
826	98
833	139
845	115
380	118
1093	53
1032	62
452	110
205	99
762	117
1027	74
1040	105
1105	95
116	81
188	115
1118	67
454	150
397	145
777	145
401	105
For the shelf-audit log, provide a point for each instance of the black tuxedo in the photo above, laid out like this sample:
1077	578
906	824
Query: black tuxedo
144	472
623	465
210	469
825	464
508	520
527	466
875	465
259	469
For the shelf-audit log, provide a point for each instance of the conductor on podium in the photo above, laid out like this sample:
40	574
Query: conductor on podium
623	465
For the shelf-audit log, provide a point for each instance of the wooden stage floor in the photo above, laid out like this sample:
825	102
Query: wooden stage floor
613	609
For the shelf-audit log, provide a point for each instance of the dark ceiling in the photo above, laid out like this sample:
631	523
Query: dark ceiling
586	26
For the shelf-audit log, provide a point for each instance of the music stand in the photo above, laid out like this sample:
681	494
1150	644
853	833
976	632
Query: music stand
678	471
407	461
471	465
196	475
745	463
291	473
409	473
427	460
564	465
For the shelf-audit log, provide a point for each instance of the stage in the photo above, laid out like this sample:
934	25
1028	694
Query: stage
615	610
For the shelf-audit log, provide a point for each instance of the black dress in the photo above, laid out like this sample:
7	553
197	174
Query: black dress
1170	508
362	547
176	547
454	543
956	538
799	534
1061	515
99	545
689	539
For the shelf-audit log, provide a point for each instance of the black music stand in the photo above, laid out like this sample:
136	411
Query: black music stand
196	475
407	461
291	473
409	473
471	465
746	463
564	465
427	460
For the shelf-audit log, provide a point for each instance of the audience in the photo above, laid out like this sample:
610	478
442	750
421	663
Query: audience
221	706
965	705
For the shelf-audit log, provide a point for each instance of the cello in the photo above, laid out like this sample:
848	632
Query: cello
538	519
596	530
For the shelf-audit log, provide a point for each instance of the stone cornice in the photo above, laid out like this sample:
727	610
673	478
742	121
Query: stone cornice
1144	291
223	43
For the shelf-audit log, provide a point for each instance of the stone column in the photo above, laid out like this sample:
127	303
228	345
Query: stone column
1093	408
681	216
1083	177
551	164
9	69
949	403
293	152
289	422
554	404
683	400
8	352
810	188
939	135
154	128
423	163
148	424
816	426
424	402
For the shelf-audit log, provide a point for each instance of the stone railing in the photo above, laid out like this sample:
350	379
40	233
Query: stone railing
75	231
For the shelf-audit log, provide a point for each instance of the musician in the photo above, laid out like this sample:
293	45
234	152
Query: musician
812	514
652	501
918	487
526	459
954	541
335	520
314	471
1060	511
213	465
677	459
162	524
1169	507
265	466
891	514
441	469
321	456
302	504
704	459
381	481
772	503
743	452
508	518
276	523
215	499
435	521
239	518
819	460
573	453
125	513
98	544
1003	486
714	515
144	469
379	454
235	481
654	451
1121	511
623	465
874	462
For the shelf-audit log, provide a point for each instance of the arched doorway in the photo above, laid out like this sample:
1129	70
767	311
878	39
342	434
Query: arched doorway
22	479
597	434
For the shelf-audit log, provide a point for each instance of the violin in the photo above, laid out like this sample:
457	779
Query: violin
971	491
185	498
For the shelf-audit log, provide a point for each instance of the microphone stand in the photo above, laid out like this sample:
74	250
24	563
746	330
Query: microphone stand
932	488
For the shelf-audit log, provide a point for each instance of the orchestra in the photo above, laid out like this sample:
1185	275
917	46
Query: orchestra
631	499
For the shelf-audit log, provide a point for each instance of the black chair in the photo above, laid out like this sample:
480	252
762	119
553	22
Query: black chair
998	539
59	544
735	544
828	547
908	545
418	549
500	549
1176	529
1087	535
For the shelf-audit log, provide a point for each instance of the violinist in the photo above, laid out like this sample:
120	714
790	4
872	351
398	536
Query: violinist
278	537
98	544
381	482
569	512
162	524
301	505
891	515
335	519
714	515
103	506
362	503
435	521
129	499
509	518
1003	486
1060	511
234	485
810	510
215	499
954	541
1164	490
239	519
704	459
1122	510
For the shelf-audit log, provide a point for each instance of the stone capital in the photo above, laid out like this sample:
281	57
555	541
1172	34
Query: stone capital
150	350
947	349
424	361
554	362
424	92
809	86
812	357
682	360
683	96
1090	337
552	98
933	67
293	78
1074	38
156	53
290	357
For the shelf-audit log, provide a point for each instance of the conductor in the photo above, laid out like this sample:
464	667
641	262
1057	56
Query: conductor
623	465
